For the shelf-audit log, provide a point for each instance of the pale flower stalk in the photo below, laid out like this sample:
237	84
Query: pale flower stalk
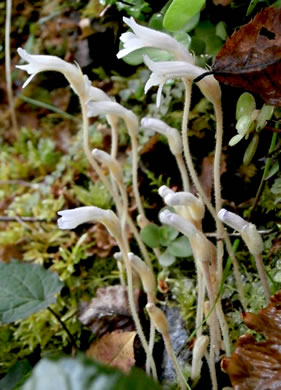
146	37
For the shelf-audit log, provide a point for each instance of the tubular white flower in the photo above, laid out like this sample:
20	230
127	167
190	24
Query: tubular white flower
70	219
111	163
166	70
109	107
232	220
147	37
163	191
42	63
247	230
173	136
179	223
186	199
203	250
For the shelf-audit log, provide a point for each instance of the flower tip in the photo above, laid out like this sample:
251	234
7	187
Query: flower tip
144	122
165	216
95	152
222	213
162	190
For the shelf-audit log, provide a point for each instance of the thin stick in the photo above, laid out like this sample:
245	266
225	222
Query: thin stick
71	338
8	64
134	144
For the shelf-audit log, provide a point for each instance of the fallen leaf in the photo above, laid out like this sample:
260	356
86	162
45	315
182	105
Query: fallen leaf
109	310
251	57
257	365
115	349
207	174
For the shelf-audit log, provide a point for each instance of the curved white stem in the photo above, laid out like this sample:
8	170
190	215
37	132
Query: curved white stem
183	172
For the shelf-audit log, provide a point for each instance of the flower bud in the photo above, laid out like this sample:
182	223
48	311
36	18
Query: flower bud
199	350
146	274
158	318
186	199
247	230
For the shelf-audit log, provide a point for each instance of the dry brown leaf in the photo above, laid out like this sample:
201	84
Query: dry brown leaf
115	349
257	365
109	310
251	57
207	174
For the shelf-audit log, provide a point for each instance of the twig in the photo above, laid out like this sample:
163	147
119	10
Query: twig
25	219
71	338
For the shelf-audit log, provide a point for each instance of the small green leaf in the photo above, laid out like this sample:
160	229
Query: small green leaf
221	30
252	6
180	247
85	374
264	115
192	23
150	235
180	12
165	259
156	21
246	104
167	234
234	140
25	289
273	170
251	149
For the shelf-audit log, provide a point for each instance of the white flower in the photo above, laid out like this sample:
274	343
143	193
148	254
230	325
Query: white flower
70	219
247	230
42	63
145	272
202	248
183	200
147	37
113	108
174	138
166	70
232	220
179	223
